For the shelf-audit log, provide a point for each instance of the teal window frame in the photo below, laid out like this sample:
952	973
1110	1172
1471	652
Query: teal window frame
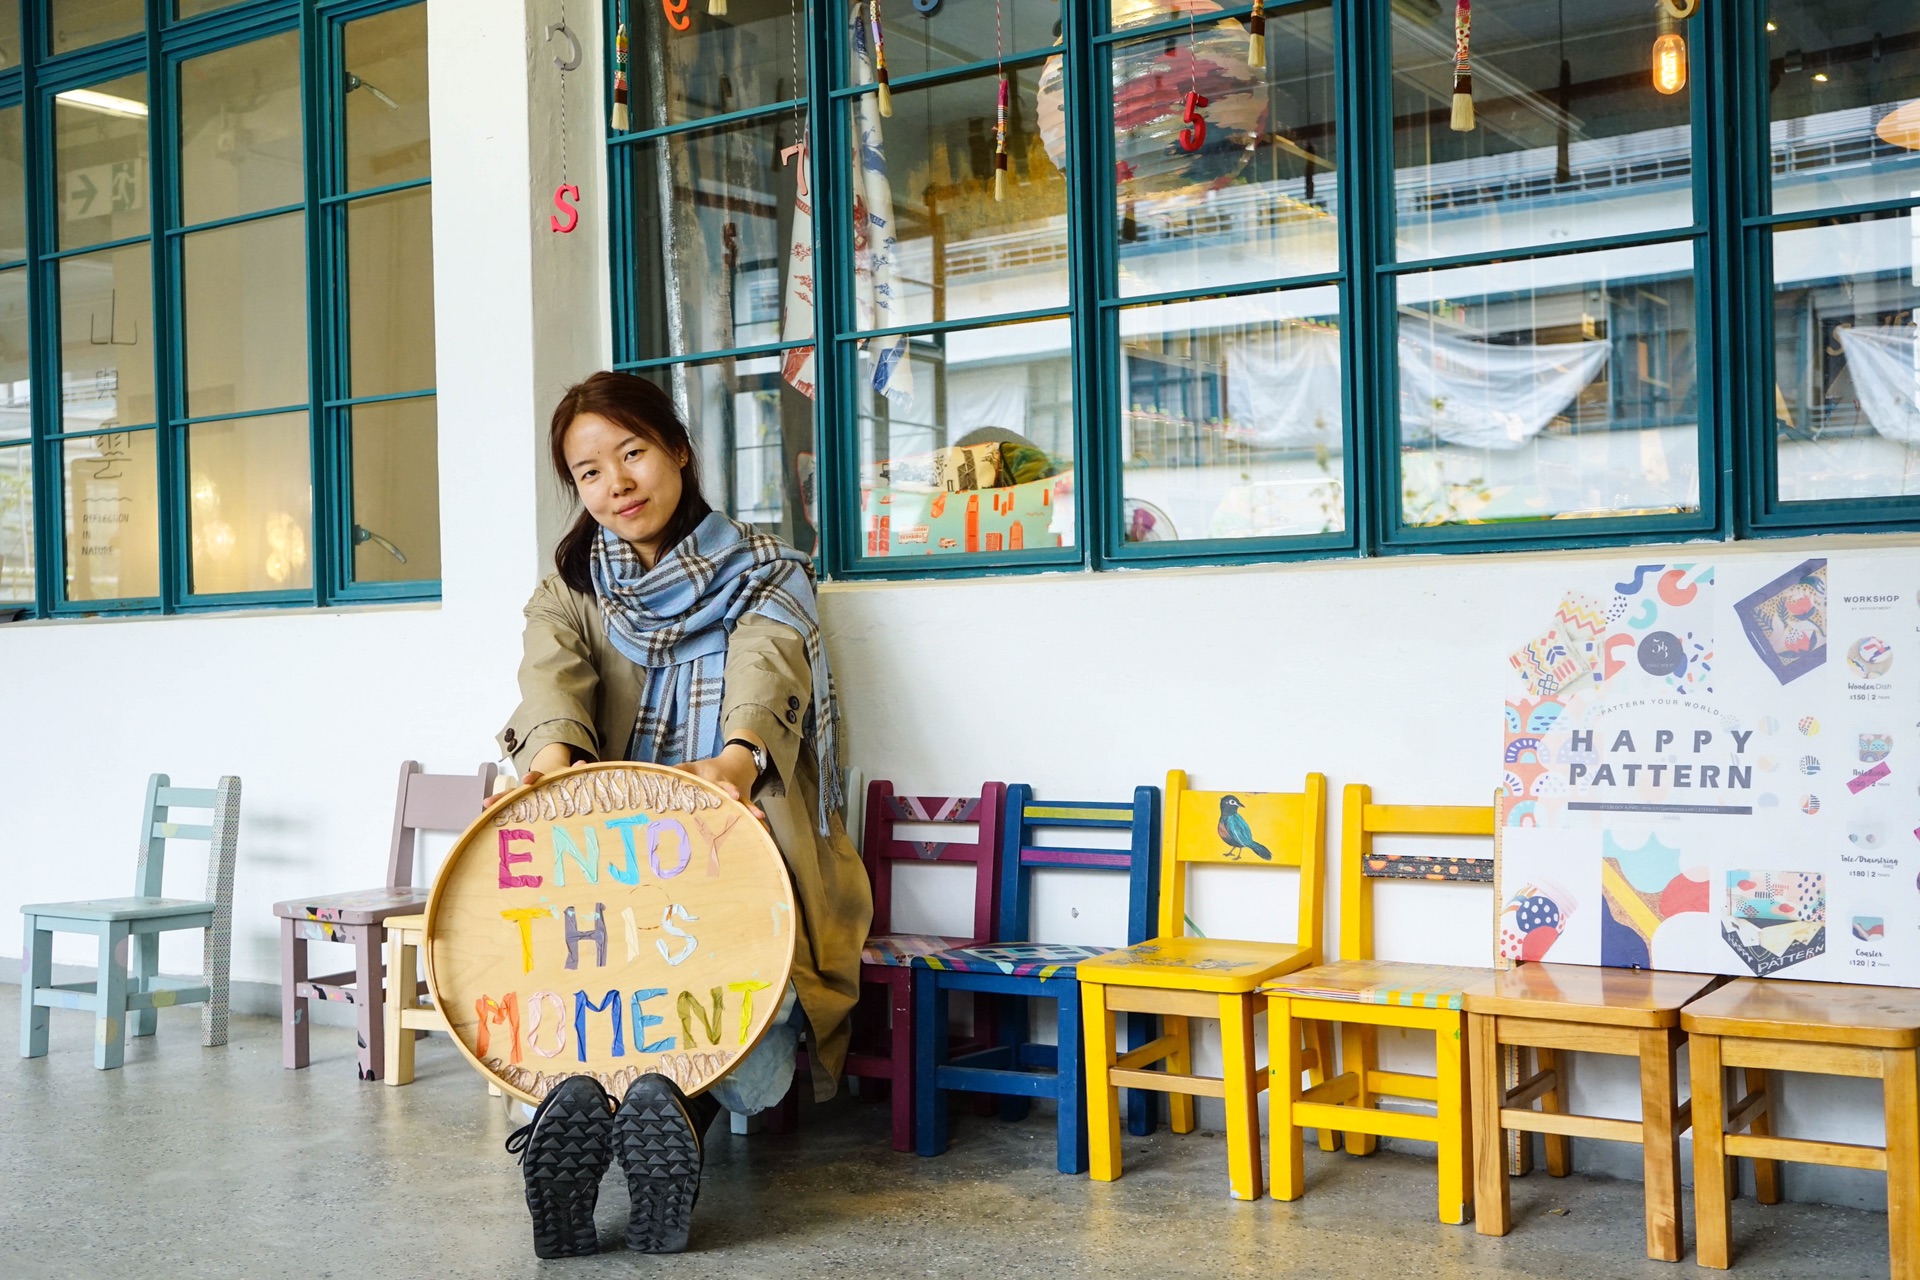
1731	159
157	52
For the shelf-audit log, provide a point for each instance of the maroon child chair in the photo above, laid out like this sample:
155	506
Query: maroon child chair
886	961
427	802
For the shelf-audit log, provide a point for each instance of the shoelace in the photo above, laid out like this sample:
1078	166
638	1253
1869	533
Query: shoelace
518	1139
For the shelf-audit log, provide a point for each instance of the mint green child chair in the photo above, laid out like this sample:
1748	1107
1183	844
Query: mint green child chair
136	923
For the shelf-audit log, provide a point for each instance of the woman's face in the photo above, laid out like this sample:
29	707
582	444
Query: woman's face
627	482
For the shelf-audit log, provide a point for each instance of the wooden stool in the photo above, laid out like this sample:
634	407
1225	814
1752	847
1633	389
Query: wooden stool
1556	1008
406	1013
1823	1028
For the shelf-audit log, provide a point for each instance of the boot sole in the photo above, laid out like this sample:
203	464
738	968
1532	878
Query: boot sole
661	1155
564	1165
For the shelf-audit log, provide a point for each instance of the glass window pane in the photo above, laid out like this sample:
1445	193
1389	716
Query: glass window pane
390	292
1260	199
713	219
100	159
77	24
1570	140
13	186
955	252
240	145
1844	101
753	435
955	34
16	368
245	306
396	492
712	65
1846	394
967	444
112	517
1549	388
386	99
9	33
106	339
16	524
1233	424
250	504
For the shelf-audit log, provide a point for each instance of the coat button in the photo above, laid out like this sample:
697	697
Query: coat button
793	717
793	702
511	742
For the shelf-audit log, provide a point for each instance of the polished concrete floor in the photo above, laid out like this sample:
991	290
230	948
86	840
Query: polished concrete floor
216	1162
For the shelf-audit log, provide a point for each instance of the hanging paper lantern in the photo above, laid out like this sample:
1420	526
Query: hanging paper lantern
1151	81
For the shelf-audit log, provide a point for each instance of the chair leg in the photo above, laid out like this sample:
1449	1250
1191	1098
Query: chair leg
216	962
1903	1160
1450	1088
1143	1109
1071	1123
1242	1096
146	966
1712	1211
900	992
1180	1062
1103	1102
368	989
1011	1012
1323	1070
1766	1173
1660	1143
1559	1145
1492	1208
1514	1060
1283	1090
930	1054
402	993
1360	1054
36	973
110	991
293	1005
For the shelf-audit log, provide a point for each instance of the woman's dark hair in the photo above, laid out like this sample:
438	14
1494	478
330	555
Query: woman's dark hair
648	412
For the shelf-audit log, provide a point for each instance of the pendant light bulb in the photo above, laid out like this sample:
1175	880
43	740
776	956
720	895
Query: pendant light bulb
1670	63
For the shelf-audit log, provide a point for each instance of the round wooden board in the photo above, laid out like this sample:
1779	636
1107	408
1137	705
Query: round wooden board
611	920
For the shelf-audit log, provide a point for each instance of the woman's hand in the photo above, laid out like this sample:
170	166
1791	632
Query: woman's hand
732	771
552	758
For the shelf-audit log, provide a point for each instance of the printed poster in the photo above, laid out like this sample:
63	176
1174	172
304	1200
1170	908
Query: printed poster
1715	767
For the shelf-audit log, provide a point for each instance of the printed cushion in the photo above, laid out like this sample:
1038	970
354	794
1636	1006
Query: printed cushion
897	950
1020	959
955	470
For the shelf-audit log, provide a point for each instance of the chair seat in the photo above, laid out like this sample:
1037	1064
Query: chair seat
897	950
362	906
110	909
1817	1012
1223	965
1410	986
1041	960
1582	993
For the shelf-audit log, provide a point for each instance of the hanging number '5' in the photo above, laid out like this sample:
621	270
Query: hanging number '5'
674	12
1194	136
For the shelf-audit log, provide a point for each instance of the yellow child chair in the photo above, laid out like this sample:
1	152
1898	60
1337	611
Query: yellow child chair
1363	995
1181	977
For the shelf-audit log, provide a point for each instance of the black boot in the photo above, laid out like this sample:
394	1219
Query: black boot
657	1134
564	1153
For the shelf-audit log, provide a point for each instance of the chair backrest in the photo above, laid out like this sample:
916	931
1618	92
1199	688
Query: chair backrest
886	811
432	802
1246	828
1361	820
1021	851
160	825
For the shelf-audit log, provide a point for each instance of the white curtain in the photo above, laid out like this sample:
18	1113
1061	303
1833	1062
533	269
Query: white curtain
1486	396
1886	378
1286	394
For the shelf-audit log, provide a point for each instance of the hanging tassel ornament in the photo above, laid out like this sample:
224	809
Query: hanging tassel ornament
1000	145
879	59
1462	72
1257	36
620	79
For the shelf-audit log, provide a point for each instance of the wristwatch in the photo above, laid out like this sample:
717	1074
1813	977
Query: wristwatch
761	760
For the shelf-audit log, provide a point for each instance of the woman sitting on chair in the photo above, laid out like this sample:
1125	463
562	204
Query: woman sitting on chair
675	635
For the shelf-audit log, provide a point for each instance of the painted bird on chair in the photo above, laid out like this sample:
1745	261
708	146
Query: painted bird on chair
1235	831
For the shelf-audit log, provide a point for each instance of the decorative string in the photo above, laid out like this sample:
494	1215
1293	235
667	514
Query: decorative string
620	79
880	59
1000	114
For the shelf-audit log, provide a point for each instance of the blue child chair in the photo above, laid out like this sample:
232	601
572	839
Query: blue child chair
138	922
1014	1068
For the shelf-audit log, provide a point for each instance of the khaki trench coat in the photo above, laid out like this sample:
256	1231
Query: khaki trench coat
576	688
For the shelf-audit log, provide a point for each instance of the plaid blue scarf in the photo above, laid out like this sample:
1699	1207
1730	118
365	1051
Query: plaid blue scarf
674	620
